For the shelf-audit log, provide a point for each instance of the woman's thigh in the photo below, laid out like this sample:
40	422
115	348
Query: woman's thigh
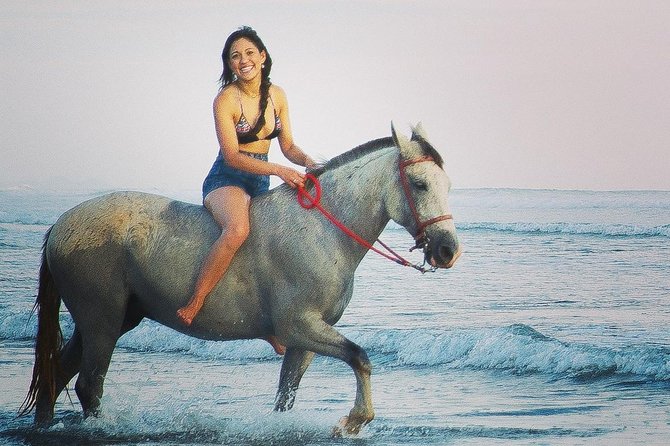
229	205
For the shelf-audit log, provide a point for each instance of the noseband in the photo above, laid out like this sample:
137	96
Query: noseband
420	236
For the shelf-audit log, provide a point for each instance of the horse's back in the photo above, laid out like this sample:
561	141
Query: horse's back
132	221
118	245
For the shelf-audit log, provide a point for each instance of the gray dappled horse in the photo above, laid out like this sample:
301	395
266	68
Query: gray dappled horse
117	259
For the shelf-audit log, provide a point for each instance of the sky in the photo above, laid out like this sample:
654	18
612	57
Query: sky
513	94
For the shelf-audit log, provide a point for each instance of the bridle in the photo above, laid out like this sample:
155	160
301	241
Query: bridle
420	236
308	201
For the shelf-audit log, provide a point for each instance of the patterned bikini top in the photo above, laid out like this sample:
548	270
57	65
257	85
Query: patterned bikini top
243	128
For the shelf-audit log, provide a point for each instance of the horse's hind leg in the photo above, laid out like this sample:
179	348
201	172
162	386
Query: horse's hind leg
294	366
95	362
98	344
70	360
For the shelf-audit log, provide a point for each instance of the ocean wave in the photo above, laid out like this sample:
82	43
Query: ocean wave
29	220
20	220
593	229
517	349
17	188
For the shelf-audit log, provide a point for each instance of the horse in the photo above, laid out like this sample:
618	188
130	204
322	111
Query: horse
119	258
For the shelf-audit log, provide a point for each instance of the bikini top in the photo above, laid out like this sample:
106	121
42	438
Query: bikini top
243	128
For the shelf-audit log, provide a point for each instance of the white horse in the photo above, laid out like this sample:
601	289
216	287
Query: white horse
117	259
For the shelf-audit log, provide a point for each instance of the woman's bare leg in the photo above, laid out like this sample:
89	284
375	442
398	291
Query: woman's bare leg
230	208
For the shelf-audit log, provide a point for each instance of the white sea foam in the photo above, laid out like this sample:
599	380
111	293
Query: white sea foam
594	229
516	348
172	420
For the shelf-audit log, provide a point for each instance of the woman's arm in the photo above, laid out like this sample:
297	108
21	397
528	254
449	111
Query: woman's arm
288	147
225	105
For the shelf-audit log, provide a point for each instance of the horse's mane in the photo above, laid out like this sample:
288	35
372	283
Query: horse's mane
373	146
354	154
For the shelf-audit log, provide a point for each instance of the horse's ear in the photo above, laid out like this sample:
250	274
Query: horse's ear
418	132
399	140
394	135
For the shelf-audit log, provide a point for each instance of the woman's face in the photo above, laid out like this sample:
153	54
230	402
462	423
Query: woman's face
245	59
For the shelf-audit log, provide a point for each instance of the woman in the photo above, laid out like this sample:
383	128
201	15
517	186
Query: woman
249	112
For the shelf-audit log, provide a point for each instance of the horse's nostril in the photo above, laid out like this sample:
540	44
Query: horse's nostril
446	253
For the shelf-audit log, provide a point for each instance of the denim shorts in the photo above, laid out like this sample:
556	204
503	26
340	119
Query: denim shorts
221	175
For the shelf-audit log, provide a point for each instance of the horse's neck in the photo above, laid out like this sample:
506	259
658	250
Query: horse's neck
354	193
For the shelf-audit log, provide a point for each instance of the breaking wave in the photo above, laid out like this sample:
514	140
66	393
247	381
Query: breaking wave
593	229
517	349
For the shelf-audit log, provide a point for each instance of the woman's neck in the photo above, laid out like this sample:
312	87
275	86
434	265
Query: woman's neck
250	88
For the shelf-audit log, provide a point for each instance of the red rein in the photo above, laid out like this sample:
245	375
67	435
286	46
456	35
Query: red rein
308	201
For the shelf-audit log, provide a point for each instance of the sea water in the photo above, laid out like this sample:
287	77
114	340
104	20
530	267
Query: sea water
551	329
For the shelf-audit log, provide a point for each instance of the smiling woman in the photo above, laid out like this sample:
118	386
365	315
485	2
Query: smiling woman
245	125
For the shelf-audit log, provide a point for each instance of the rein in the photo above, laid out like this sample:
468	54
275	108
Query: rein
308	201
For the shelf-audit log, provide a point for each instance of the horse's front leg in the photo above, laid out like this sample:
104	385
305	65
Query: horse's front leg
294	366
315	335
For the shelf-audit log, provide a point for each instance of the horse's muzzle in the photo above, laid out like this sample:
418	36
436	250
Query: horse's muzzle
442	250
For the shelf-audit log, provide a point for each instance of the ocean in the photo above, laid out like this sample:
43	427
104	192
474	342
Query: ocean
552	329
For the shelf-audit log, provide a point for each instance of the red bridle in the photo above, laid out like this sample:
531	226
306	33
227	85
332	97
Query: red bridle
420	235
308	201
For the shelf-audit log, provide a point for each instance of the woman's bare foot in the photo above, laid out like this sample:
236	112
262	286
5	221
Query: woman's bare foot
186	315
276	345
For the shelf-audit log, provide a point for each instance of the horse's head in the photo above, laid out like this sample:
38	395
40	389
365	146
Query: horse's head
420	199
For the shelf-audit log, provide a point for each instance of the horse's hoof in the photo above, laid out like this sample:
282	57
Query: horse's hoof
346	428
339	430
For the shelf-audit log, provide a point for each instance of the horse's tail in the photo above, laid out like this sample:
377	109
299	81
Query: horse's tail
49	340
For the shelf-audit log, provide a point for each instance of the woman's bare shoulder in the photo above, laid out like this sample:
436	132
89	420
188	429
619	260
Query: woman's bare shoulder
278	94
227	97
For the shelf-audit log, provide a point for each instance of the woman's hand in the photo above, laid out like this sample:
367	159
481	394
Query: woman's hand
291	176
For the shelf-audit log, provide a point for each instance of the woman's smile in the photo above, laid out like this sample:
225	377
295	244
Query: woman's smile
245	59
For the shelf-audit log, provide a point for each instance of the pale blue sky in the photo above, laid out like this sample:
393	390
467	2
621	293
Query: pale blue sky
532	94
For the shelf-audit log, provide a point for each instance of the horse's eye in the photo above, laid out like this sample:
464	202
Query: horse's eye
420	185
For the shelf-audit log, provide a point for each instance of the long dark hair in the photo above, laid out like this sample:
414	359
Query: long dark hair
227	77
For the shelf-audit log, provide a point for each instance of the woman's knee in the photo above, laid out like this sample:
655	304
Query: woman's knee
230	208
235	233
